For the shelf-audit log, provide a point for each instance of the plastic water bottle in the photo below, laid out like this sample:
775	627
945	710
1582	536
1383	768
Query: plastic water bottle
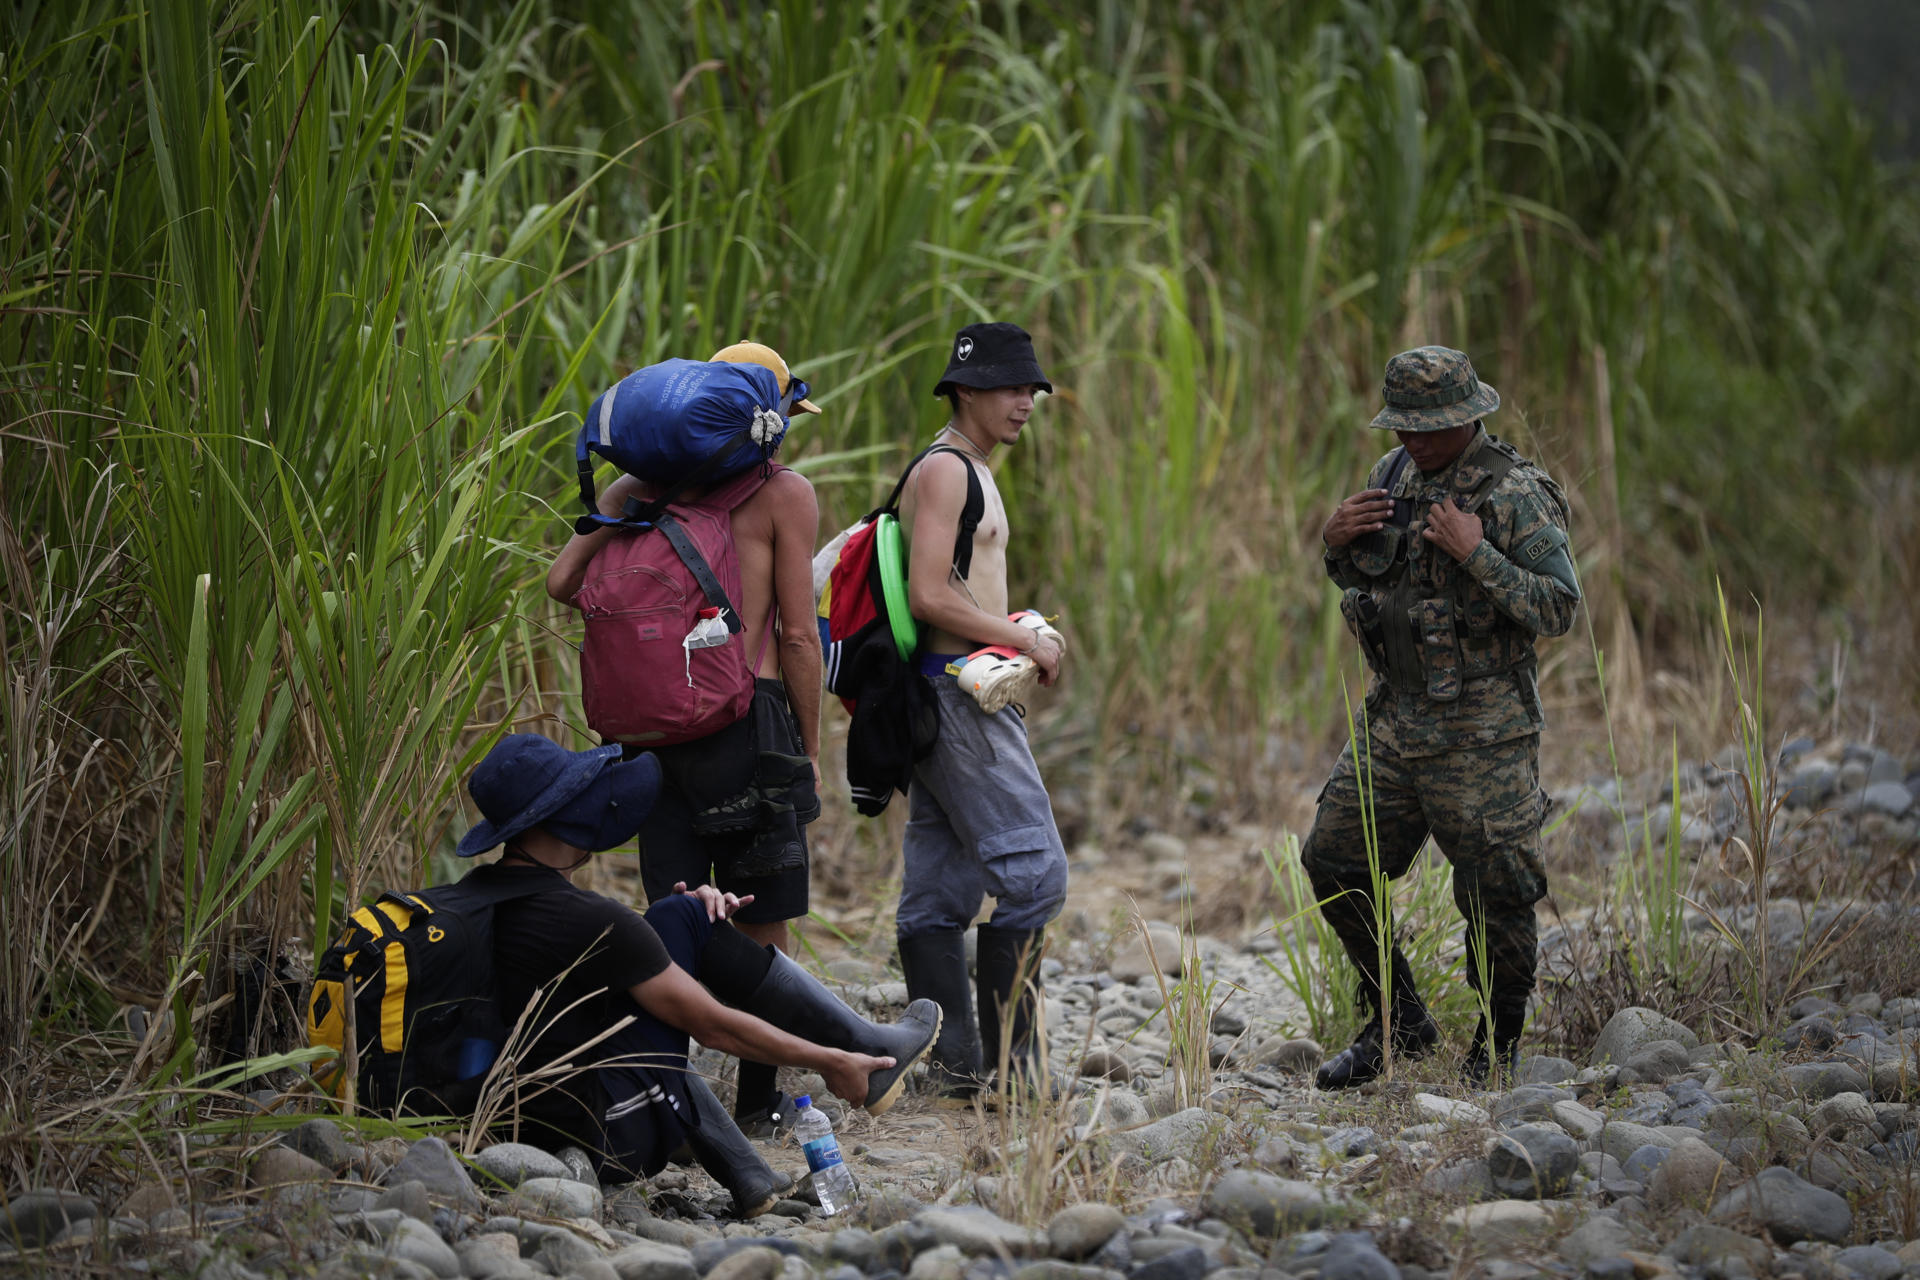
832	1181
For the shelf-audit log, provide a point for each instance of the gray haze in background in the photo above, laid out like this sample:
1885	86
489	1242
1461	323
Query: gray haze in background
1874	48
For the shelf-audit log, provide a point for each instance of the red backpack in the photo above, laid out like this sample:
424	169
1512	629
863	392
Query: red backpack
665	658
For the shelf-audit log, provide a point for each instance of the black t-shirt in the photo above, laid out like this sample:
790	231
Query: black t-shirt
537	938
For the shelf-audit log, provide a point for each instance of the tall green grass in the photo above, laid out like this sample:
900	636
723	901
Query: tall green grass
298	308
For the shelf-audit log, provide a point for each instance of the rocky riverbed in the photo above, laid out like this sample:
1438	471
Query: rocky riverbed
1195	1145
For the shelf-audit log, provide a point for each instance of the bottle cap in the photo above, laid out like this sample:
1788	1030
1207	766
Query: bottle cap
804	1100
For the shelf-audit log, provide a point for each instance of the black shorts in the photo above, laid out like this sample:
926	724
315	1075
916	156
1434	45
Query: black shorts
672	851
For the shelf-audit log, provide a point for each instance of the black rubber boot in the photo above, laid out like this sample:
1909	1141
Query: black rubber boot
1414	1032
797	1002
724	1152
935	965
1478	1069
1009	966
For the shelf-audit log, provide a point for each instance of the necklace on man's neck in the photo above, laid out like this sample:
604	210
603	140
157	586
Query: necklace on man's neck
963	443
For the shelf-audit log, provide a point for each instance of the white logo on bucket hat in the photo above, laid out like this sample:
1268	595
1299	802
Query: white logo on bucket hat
963	349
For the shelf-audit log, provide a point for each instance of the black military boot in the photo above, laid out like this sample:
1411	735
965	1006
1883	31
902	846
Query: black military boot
1497	1070
935	965
797	1002
1414	1032
724	1152
1009	964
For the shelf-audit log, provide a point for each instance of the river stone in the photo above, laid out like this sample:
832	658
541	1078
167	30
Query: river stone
710	1253
1788	1206
1644	1162
976	1230
1432	1106
1710	1246
147	1199
1692	1174
1270	1206
1543	1068
416	1242
1293	1056
494	1255
758	1260
1501	1223
410	1198
1870	1262
1890	798
1046	1269
1468	1177
1620	1139
1603	1236
1582	1122
1104	1064
431	1161
1354	1256
512	1163
358	1261
1657	1061
565	1254
1525	1103
1823	1079
1183	1134
1633	1027
555	1198
942	1262
1116	1108
35	1217
321	1140
279	1166
1532	1162
1187	1262
1815	1033
1844	1116
1079	1230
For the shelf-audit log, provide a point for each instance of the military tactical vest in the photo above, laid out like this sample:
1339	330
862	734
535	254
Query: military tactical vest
1426	624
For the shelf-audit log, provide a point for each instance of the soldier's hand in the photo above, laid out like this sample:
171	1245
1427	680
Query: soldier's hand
1454	531
1363	513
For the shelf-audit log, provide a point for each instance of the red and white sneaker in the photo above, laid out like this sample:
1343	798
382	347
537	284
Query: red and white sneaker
998	676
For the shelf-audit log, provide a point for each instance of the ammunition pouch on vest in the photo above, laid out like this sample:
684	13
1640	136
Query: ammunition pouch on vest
1432	644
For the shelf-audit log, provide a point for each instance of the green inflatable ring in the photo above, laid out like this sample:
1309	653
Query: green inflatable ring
891	561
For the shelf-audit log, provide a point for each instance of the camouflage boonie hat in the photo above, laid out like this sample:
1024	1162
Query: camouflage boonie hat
1432	389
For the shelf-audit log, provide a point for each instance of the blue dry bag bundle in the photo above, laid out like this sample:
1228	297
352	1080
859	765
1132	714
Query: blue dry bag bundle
681	423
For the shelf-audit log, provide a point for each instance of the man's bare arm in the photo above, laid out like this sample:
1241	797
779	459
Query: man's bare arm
796	523
679	1001
570	566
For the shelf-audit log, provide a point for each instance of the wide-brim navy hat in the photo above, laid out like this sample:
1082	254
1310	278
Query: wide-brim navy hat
995	354
528	778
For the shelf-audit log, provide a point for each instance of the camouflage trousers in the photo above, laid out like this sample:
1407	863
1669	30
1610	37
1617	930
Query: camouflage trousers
1483	806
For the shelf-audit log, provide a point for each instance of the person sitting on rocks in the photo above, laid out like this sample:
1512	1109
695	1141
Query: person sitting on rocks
615	994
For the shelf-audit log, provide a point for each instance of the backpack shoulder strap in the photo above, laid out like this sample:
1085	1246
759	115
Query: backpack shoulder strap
972	511
1396	467
1497	459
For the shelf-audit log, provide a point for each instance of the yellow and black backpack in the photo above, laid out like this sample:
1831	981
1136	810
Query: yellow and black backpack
426	1016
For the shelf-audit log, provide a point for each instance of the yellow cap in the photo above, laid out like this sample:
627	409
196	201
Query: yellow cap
767	357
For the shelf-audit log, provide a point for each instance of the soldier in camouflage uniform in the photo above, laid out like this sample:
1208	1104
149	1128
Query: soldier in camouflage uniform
1454	557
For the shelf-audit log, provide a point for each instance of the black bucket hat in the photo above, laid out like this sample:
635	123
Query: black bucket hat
994	354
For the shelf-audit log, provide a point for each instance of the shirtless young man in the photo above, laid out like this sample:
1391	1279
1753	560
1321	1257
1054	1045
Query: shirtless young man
773	535
979	819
